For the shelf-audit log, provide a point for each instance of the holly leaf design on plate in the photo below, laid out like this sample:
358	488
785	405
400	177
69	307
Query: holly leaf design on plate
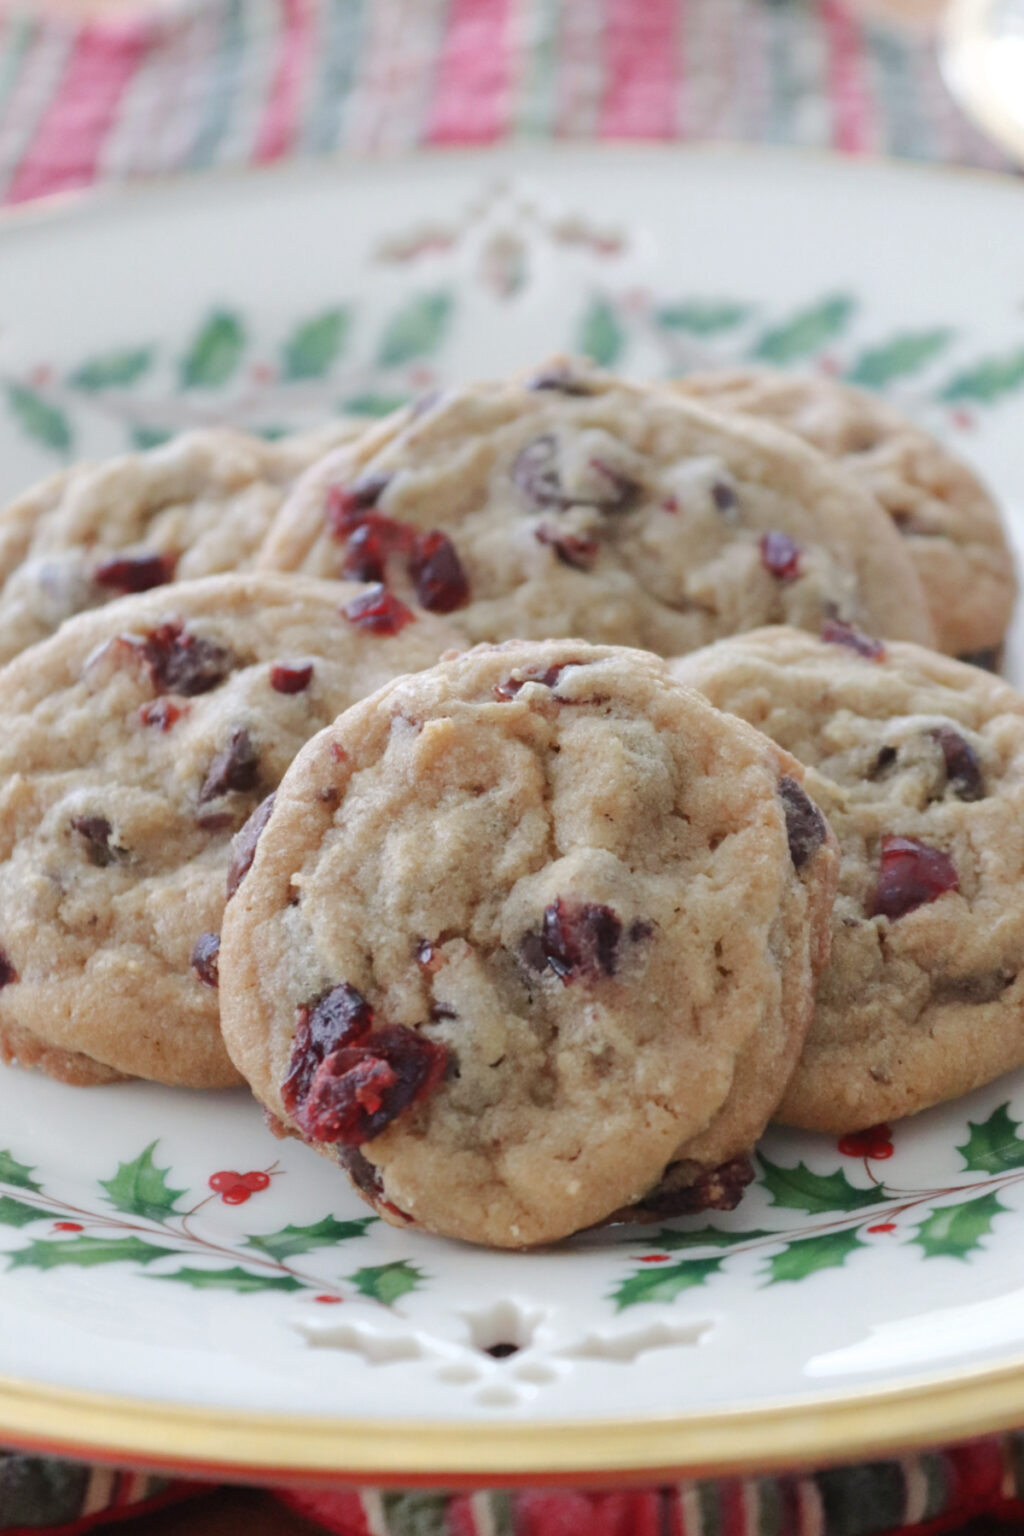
372	405
85	1252
600	335
668	1241
416	330
150	437
801	1189
15	1213
387	1282
954	1231
39	419
906	353
215	353
235	1279
323	1234
314	345
987	380
701	317
18	1174
141	1188
807	1255
994	1145
807	331
665	1282
112	368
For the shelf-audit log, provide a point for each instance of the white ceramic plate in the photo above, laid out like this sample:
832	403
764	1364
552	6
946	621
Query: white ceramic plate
221	1297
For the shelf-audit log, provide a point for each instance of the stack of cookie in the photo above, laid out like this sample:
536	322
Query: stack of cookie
531	936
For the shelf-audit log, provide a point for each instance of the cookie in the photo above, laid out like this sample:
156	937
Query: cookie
133	745
523	932
949	521
197	506
918	762
571	504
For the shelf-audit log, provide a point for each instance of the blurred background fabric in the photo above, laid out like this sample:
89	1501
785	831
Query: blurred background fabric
125	89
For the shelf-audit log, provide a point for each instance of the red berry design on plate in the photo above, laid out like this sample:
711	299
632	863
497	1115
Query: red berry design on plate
883	1226
161	714
68	1226
379	611
329	1301
875	1142
440	581
780	556
654	1258
836	632
911	874
236	1188
135	573
286	679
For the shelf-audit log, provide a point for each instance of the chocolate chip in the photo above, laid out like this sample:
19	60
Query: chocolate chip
837	632
963	770
7	972
717	1189
243	849
235	767
96	831
723	496
180	662
883	762
205	955
578	552
536	473
561	381
806	827
988	661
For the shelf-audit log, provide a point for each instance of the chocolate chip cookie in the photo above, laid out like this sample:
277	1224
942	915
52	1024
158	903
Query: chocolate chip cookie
133	745
199	505
918	762
572	504
947	517
523	932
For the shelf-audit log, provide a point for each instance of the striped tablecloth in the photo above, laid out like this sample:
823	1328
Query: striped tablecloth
190	84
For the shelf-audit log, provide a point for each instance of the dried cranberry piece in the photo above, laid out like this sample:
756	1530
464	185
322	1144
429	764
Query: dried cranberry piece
180	662
536	473
911	874
135	573
7	972
236	766
780	556
578	940
963	770
988	661
434	565
573	550
96	831
243	849
204	958
286	679
161	713
837	632
359	1090
365	558
719	1189
339	1017
806	827
379	611
347	505
561	381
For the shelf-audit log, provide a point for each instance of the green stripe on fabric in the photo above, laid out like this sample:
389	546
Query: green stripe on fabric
769	1506
710	1511
37	1491
1015	1456
889	61
536	42
15	43
859	1501
342	47
221	97
936	1469
500	1505
416	1514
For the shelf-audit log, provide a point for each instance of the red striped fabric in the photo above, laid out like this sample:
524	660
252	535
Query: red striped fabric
279	128
470	103
640	67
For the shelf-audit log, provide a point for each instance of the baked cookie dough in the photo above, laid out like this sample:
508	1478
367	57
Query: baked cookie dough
199	505
918	762
948	519
523	932
133	745
572	504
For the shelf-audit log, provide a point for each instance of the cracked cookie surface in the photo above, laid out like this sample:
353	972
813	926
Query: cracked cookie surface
133	745
573	504
197	506
948	519
525	931
918	762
